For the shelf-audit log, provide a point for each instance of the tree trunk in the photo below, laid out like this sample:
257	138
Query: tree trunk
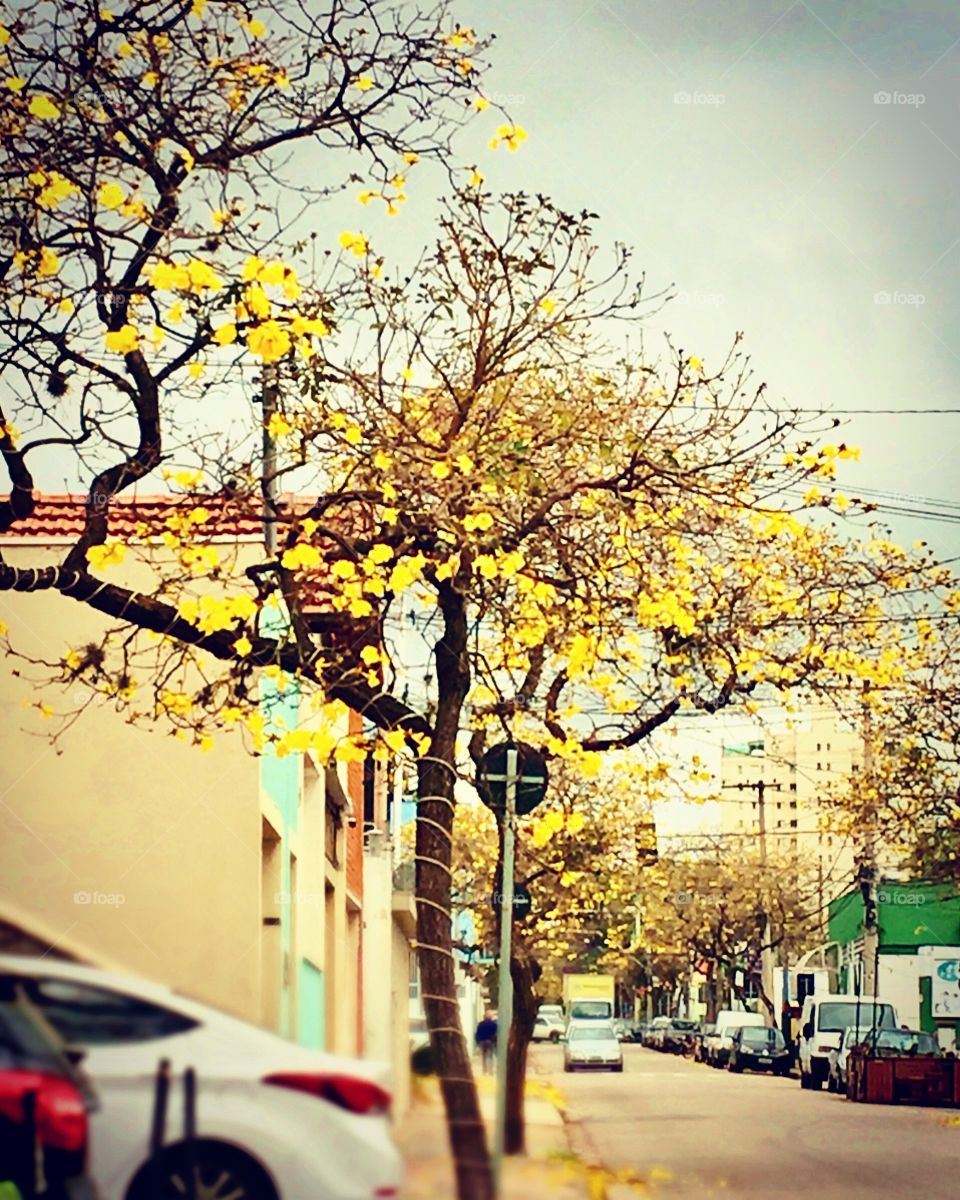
525	1003
435	811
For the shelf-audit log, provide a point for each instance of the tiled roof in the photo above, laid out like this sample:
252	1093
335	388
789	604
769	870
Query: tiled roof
60	518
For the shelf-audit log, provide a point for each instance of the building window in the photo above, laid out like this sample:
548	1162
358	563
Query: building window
793	823
369	791
793	788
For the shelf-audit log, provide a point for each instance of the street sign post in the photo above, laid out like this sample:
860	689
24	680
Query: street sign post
513	781
530	782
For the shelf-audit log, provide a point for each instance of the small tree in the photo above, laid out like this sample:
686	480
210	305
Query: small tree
703	912
581	855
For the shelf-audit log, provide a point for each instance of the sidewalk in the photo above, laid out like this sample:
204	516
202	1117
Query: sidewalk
547	1171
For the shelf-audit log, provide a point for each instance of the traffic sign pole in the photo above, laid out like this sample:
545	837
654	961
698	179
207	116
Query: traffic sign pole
505	990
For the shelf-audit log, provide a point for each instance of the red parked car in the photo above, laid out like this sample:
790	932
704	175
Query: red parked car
44	1102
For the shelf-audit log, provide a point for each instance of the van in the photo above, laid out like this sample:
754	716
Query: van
728	1022
824	1018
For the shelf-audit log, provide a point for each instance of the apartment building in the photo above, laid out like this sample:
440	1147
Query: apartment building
797	767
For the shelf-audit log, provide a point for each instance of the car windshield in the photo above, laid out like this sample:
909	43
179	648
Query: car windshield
685	1026
762	1037
838	1015
598	1033
591	1008
907	1041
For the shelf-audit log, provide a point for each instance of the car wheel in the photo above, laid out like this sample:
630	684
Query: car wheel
618	1070
734	1066
568	1068
816	1082
804	1080
555	1037
221	1173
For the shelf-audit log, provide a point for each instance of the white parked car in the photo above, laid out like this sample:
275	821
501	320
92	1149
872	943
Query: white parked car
592	1045
275	1121
548	1028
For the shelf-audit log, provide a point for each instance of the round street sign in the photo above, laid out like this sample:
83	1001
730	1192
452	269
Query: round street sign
531	781
522	901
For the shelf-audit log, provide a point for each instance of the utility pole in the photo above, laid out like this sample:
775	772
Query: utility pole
868	863
766	952
505	986
269	394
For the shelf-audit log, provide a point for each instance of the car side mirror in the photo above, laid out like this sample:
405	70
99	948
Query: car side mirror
808	1030
74	1054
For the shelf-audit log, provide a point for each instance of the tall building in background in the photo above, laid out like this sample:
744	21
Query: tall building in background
798	767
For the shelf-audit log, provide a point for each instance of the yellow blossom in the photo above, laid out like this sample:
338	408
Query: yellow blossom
49	263
243	646
269	341
15	83
509	135
440	470
480	103
363	84
225	335
43	108
110	554
110	195
122	341
354	242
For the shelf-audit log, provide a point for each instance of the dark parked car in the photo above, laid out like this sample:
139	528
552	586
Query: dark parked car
699	1052
44	1103
756	1048
680	1035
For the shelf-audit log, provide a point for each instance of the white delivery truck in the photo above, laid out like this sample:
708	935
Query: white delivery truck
824	1018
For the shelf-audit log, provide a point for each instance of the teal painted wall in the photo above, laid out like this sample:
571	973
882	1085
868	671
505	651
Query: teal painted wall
311	1024
281	779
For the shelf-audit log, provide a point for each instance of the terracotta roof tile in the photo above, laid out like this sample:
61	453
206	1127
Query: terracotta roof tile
59	518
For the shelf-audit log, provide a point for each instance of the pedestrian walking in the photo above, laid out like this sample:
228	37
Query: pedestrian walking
486	1039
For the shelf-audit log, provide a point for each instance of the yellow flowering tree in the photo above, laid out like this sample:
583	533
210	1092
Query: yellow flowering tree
702	912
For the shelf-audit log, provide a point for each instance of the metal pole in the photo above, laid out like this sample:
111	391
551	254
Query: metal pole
268	480
766	954
505	989
871	931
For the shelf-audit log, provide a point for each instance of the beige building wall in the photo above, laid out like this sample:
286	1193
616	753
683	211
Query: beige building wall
124	846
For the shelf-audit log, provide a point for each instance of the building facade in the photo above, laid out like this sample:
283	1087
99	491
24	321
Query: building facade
239	879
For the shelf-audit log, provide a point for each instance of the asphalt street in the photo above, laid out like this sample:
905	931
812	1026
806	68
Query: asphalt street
709	1133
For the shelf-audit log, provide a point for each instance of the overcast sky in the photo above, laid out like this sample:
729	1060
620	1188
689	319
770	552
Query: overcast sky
745	151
